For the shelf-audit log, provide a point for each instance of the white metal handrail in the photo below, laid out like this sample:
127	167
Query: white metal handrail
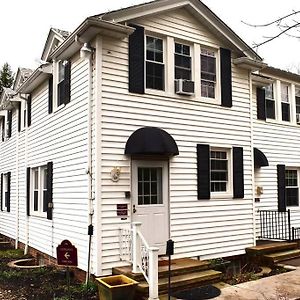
135	249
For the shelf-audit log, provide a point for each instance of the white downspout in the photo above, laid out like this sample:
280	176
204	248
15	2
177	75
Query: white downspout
252	159
86	52
17	186
26	165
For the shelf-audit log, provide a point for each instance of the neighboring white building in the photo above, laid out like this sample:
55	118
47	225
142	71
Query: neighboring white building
142	114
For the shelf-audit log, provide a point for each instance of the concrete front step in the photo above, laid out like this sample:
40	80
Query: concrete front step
271	247
178	267
180	282
273	258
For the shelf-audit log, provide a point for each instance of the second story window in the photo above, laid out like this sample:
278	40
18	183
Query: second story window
155	69
270	102
183	62
208	73
39	190
285	105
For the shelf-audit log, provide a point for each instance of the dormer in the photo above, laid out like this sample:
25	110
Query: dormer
21	76
55	38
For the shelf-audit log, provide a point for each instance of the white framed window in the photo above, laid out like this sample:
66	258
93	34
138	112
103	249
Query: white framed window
208	66
220	170
292	187
183	61
5	195
270	101
285	102
39	191
155	66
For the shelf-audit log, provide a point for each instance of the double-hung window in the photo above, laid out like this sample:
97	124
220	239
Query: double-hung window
5	190
285	105
292	189
183	62
39	190
155	69
270	102
219	171
208	73
297	101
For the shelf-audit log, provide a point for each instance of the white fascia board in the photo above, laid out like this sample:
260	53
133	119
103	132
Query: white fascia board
91	27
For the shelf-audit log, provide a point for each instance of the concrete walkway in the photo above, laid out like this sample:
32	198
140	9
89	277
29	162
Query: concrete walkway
284	286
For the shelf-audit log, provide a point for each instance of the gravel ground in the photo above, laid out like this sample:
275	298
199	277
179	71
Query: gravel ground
9	295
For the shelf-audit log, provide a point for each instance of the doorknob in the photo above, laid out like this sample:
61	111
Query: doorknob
134	210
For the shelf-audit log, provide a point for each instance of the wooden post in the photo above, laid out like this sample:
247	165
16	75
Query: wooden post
136	247
153	273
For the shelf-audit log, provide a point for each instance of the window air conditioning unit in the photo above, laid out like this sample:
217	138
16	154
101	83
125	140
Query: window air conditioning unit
184	87
298	118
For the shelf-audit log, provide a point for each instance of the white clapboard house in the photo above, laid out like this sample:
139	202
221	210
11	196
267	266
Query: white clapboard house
157	117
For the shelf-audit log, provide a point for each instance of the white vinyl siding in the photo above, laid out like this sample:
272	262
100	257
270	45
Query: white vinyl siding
213	228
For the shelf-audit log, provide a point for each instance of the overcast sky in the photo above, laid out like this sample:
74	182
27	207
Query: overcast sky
24	25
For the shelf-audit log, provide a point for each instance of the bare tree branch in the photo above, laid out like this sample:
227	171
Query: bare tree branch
273	22
269	39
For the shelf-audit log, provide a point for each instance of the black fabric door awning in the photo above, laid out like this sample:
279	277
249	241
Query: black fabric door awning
260	159
151	141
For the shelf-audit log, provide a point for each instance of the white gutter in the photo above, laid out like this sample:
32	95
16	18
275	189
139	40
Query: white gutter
17	189
26	216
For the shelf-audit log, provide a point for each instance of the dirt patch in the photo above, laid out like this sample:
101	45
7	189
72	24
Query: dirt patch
40	283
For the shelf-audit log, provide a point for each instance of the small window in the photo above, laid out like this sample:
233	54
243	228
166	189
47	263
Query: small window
149	186
208	73
39	190
270	102
297	100
285	105
292	189
183	62
23	114
155	69
219	171
5	195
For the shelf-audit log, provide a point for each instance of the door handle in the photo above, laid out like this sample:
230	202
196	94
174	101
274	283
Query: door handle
134	210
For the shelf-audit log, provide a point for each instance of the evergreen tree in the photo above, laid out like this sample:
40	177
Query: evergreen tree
6	76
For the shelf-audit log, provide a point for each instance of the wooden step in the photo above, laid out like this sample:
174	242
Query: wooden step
5	245
271	247
178	267
276	257
184	281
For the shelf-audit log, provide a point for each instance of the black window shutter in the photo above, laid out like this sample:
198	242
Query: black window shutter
67	83
281	187
261	103
238	172
29	110
203	171
1	196
50	94
9	123
3	129
28	192
49	190
8	191
19	116
226	78
137	60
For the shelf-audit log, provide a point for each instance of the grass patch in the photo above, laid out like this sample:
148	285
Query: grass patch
12	253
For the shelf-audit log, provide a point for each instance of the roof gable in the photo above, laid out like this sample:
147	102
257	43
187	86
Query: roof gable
21	76
200	11
54	39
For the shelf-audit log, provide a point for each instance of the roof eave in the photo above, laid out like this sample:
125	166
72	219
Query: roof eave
88	29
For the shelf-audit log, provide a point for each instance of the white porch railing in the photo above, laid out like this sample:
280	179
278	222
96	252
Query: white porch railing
135	249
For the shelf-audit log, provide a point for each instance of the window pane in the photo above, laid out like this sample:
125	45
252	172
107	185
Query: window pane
291	178
150	186
207	89
36	179
155	76
270	91
45	202
154	50
292	197
270	109
285	110
284	93
36	200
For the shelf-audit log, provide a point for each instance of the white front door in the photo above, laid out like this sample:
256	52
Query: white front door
150	204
